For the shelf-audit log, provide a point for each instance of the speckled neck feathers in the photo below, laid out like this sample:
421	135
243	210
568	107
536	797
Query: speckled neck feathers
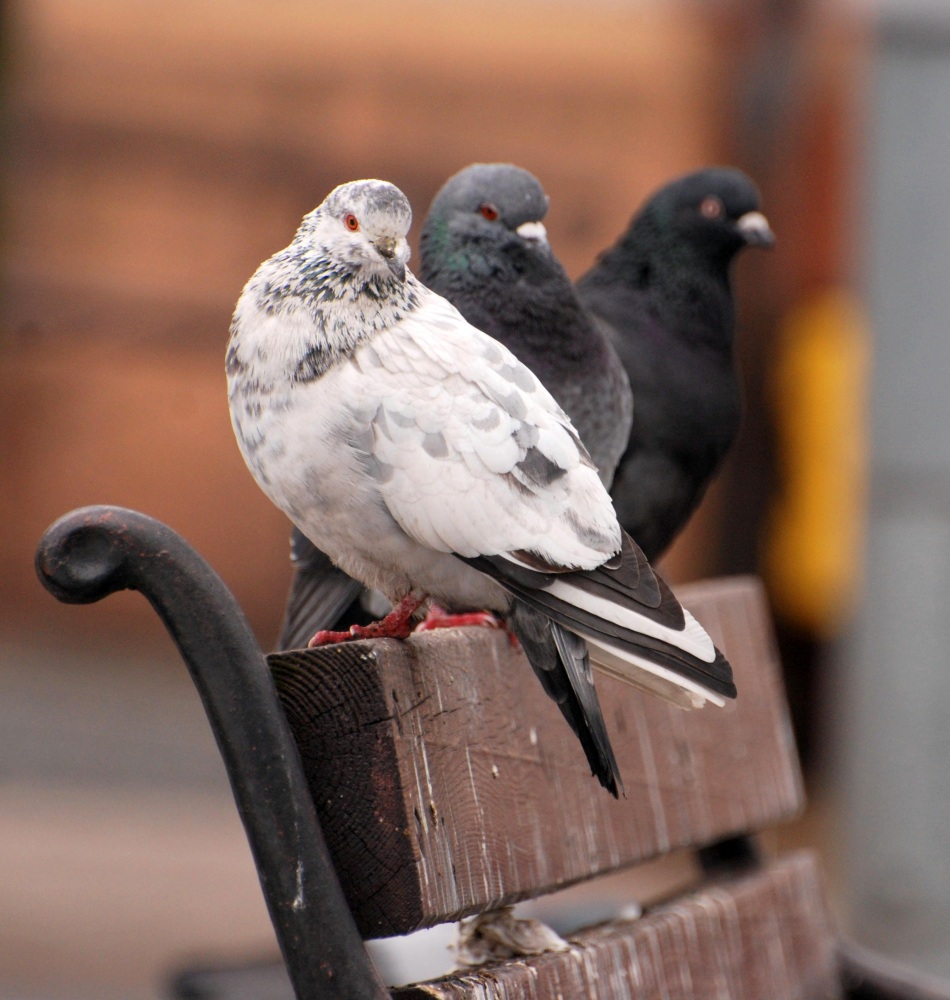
327	292
342	308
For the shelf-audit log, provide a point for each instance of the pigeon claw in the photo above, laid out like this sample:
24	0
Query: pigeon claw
396	625
326	637
439	618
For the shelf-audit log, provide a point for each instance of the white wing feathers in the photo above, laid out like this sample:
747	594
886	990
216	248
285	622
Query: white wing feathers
474	455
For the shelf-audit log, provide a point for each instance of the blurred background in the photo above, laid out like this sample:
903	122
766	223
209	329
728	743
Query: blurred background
153	155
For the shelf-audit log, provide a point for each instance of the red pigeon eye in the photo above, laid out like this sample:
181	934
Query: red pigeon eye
711	207
489	211
351	222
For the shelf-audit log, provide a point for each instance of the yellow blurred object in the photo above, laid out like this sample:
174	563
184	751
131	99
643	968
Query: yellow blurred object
813	556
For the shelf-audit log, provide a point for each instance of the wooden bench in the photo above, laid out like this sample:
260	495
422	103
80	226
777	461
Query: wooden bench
395	786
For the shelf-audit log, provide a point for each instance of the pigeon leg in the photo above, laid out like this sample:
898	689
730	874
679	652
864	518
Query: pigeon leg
394	626
440	618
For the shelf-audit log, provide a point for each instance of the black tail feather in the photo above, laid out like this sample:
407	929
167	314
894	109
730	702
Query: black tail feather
560	660
629	583
715	675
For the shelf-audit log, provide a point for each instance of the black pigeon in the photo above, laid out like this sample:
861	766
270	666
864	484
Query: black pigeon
663	291
484	247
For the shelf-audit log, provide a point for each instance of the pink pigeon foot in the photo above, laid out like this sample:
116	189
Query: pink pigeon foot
439	618
396	625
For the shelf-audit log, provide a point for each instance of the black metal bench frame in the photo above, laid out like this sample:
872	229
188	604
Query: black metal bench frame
95	551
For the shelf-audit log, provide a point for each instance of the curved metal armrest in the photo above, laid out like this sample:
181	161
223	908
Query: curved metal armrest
95	551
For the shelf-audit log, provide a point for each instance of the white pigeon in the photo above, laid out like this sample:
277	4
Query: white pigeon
430	464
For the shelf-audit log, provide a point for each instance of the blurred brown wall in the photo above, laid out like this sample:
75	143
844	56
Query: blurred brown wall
157	153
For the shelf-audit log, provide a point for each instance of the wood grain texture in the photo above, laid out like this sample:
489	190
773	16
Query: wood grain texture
448	782
765	935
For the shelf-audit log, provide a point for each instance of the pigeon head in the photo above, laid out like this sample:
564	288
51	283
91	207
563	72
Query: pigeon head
361	227
485	210
716	211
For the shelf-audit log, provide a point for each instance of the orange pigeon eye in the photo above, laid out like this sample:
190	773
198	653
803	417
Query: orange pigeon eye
351	222
711	207
489	211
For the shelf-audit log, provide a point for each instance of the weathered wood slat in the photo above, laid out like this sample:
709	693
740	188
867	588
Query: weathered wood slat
762	935
448	782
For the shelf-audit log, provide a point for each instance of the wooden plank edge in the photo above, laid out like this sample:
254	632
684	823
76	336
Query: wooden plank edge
766	934
416	799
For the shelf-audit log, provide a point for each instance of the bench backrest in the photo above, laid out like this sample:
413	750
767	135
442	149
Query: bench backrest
447	782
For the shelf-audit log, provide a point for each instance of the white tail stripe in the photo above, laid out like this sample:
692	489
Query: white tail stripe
652	677
693	639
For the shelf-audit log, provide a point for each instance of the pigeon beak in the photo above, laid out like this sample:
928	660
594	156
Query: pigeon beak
754	229
534	232
389	250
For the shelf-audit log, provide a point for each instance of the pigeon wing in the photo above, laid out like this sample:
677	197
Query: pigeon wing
476	456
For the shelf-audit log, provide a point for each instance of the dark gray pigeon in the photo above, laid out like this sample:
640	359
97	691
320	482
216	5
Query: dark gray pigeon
484	247
663	292
428	462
